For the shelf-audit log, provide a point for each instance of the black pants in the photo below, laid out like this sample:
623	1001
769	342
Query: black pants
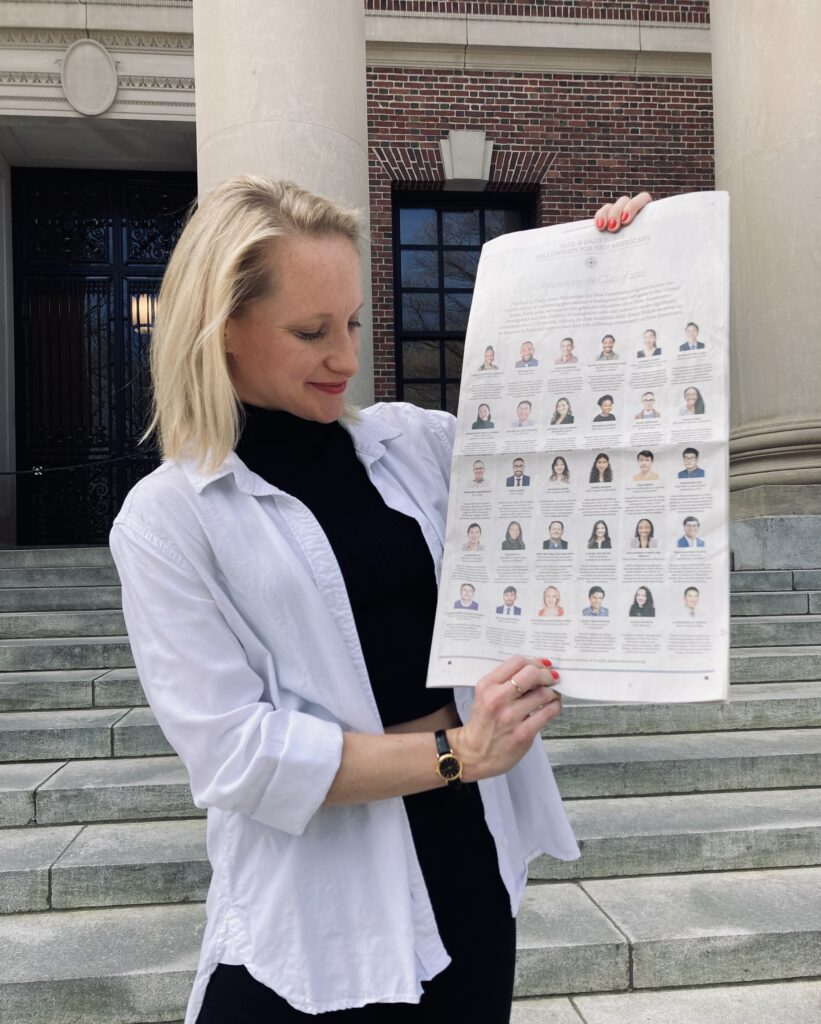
458	860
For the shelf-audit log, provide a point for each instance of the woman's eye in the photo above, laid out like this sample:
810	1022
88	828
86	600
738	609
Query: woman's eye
309	335
354	325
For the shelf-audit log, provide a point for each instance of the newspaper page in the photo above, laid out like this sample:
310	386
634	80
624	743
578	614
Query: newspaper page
587	519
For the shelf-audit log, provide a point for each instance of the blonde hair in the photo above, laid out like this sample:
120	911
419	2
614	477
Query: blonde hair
221	263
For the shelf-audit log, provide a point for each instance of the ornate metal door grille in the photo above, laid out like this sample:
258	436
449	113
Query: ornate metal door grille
90	249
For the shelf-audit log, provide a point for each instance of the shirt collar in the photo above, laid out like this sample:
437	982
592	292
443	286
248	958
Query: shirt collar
367	431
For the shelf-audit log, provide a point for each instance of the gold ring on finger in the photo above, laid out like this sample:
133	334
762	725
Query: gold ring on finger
519	692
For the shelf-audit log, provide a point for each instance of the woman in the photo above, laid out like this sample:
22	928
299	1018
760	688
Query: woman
474	541
562	414
642	606
650	344
606	414
644	535
483	420
551	609
488	363
559	472
599	536
287	668
601	471
513	538
693	403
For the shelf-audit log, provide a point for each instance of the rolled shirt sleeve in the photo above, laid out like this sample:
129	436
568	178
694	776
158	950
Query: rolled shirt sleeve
242	754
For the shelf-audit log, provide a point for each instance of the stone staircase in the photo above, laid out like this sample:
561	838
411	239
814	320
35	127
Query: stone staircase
697	898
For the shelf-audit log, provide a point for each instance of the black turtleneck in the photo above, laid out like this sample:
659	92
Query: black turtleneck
384	559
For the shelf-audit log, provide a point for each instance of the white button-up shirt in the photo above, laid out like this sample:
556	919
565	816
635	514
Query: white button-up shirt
246	647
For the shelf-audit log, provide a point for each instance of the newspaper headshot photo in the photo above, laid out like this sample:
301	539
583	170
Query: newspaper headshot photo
509	606
562	413
606	415
645	460
489	362
601	471
555	537
650	345
690	538
693	403
692	344
599	539
648	409
642	606
559	471
644	537
551	604
566	350
595	609
608	349
519	478
691	599
514	538
478	472
474	541
483	420
523	411
692	470
466	602
526	356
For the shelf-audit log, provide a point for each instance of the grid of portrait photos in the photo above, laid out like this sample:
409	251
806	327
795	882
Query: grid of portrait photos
587	518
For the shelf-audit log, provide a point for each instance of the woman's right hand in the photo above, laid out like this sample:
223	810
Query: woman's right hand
513	703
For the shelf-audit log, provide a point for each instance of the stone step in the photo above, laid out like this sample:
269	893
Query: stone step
807	579
131	863
66	654
137	734
36	691
34	625
112	966
776	579
686	763
783	1002
14	599
712	929
122	789
51	735
59	576
26	857
654	835
776	631
18	784
120	687
775	664
792	602
27	558
756	706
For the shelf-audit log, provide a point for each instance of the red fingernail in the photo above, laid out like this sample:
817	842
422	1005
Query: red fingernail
612	223
625	217
600	223
547	662
554	673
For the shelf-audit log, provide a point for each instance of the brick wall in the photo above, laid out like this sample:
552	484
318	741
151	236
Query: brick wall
574	139
690	11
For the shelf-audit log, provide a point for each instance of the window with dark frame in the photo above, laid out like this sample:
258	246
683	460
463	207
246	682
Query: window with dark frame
437	240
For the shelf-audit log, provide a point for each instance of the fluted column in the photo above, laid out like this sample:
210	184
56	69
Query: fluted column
281	91
767	103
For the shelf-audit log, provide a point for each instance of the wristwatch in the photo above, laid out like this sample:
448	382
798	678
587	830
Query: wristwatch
448	765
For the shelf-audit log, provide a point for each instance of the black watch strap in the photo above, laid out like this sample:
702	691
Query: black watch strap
448	765
442	745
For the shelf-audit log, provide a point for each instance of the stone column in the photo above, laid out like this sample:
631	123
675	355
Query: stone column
281	91
767	102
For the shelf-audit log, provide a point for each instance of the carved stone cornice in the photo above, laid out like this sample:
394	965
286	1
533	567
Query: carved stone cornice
29	78
40	38
155	82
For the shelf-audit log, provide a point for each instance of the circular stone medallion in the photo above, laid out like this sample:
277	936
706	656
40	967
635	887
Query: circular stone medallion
89	77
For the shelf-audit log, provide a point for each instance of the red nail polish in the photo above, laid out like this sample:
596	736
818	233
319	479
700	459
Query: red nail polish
612	222
547	662
600	223
625	217
554	673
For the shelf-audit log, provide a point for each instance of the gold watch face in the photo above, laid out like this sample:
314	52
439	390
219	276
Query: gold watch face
449	767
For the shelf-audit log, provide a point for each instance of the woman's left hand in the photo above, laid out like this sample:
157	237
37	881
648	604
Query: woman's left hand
613	216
